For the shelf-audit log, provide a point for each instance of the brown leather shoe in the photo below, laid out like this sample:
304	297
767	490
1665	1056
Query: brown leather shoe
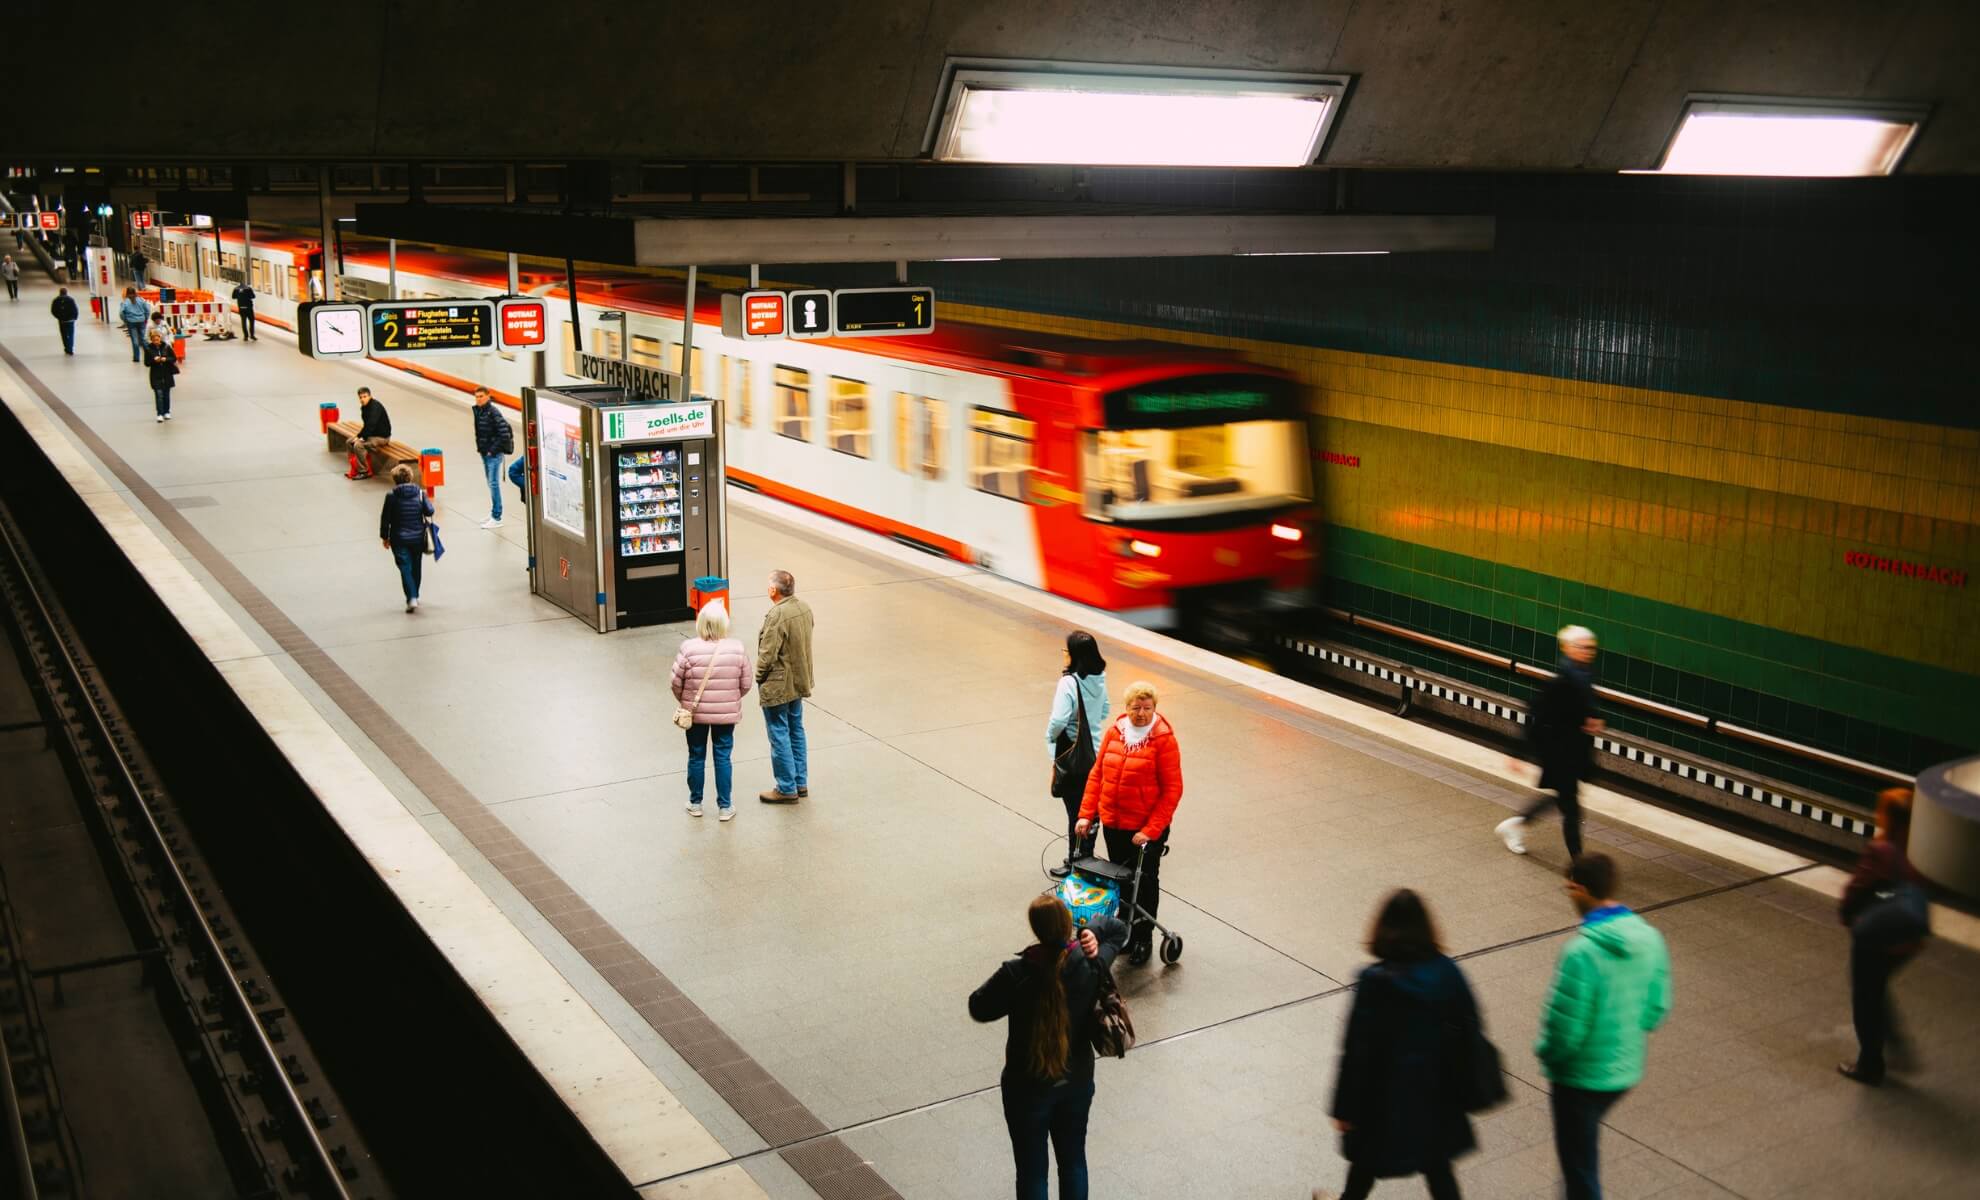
774	797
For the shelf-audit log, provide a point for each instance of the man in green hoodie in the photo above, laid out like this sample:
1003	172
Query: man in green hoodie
1612	987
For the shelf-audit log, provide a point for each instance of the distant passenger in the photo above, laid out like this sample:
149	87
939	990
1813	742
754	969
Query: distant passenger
160	327
138	263
316	285
1132	793
164	364
492	439
1560	734
1411	1031
1081	693
11	272
517	470
711	677
1611	988
135	315
1888	915
244	304
783	672
63	309
402	529
374	430
1048	993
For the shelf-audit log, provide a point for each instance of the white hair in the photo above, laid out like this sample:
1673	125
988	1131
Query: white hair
713	621
1576	635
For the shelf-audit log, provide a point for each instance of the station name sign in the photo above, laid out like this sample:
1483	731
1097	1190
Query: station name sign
641	382
816	313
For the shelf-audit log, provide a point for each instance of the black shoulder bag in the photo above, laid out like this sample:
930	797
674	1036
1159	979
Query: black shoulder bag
1074	761
1113	1029
1477	1078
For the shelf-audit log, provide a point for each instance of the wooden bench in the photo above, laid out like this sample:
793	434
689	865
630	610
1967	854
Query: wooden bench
380	459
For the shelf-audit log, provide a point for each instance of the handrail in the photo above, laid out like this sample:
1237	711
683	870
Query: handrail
1701	721
17	1129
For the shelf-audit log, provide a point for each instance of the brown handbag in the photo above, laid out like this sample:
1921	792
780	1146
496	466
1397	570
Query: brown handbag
1113	1028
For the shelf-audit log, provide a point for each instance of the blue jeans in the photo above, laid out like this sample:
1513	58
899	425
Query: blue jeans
698	738
516	476
137	341
408	556
68	336
161	397
1578	1115
1058	1113
491	465
787	760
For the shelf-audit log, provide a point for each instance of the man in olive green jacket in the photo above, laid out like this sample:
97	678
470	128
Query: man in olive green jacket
1613	986
783	678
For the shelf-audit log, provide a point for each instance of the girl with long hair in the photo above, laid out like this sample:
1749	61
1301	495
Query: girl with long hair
1047	994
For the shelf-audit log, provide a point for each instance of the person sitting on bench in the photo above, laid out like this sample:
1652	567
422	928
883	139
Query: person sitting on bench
375	431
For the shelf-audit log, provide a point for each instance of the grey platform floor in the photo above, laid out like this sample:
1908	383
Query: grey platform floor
835	941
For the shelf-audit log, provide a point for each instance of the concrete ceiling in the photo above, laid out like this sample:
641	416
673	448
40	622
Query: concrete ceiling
1591	85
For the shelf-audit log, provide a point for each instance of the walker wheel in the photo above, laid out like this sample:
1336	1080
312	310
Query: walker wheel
1172	948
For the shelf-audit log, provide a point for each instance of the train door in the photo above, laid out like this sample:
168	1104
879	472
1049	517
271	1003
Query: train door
993	502
921	450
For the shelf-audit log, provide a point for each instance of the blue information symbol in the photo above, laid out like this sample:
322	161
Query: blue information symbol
811	314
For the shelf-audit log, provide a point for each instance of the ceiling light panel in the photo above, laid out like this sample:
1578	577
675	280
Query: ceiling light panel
1098	117
1737	136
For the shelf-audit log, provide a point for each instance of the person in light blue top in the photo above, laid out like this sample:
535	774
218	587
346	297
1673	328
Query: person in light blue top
1083	684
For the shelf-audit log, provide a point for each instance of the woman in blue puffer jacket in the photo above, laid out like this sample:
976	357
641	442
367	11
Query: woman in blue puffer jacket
402	529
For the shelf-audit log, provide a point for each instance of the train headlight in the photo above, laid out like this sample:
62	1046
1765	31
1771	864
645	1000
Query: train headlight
1288	533
1145	549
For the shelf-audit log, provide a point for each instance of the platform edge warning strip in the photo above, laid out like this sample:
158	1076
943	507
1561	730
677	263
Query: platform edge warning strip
1665	762
819	1157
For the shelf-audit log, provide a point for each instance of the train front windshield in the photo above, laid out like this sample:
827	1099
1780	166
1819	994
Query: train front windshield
1192	448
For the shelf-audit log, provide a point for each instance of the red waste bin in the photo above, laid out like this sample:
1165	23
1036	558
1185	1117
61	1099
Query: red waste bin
179	344
706	589
327	415
432	469
96	307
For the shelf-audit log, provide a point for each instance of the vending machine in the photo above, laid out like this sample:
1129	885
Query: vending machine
626	503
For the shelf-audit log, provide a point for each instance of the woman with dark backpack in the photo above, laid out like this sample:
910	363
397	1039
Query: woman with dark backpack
1888	915
1081	692
1048	992
1407	1063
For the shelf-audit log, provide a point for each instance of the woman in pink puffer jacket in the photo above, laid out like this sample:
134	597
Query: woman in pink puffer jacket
711	677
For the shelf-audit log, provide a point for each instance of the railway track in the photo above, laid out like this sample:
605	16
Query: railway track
275	1117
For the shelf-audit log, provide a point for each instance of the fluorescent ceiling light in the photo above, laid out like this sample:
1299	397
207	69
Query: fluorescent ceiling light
1102	116
1724	135
1300	253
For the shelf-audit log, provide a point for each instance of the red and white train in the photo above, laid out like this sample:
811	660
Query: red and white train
1153	480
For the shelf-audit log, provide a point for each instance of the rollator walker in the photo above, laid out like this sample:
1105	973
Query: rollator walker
1094	887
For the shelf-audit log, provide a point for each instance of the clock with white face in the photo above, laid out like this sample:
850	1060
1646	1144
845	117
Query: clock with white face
336	330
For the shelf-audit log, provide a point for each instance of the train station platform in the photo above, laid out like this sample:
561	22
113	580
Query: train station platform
775	1006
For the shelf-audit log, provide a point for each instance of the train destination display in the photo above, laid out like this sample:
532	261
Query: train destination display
883	312
433	327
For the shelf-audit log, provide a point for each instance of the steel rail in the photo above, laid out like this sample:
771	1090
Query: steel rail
112	754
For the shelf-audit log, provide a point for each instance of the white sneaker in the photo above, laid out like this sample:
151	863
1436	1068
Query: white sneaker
728	814
159	421
492	523
168	416
694	810
415	602
410	606
1510	832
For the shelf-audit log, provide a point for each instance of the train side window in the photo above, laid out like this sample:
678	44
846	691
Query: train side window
934	429
847	419
605	342
570	349
934	435
1000	453
645	350
741	410
792	387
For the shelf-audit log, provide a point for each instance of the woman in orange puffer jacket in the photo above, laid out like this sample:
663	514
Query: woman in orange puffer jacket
1133	791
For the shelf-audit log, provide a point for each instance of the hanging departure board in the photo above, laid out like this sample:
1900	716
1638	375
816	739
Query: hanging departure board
883	312
433	327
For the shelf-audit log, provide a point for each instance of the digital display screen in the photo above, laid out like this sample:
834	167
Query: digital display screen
1202	400
879	312
432	326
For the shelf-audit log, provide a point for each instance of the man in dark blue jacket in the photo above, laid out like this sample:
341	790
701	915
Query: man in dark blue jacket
1560	731
492	440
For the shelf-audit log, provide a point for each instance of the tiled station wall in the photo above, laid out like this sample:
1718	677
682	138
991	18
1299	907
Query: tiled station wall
1683	413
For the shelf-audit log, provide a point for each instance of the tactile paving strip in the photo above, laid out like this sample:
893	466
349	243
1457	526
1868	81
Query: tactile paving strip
824	1162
